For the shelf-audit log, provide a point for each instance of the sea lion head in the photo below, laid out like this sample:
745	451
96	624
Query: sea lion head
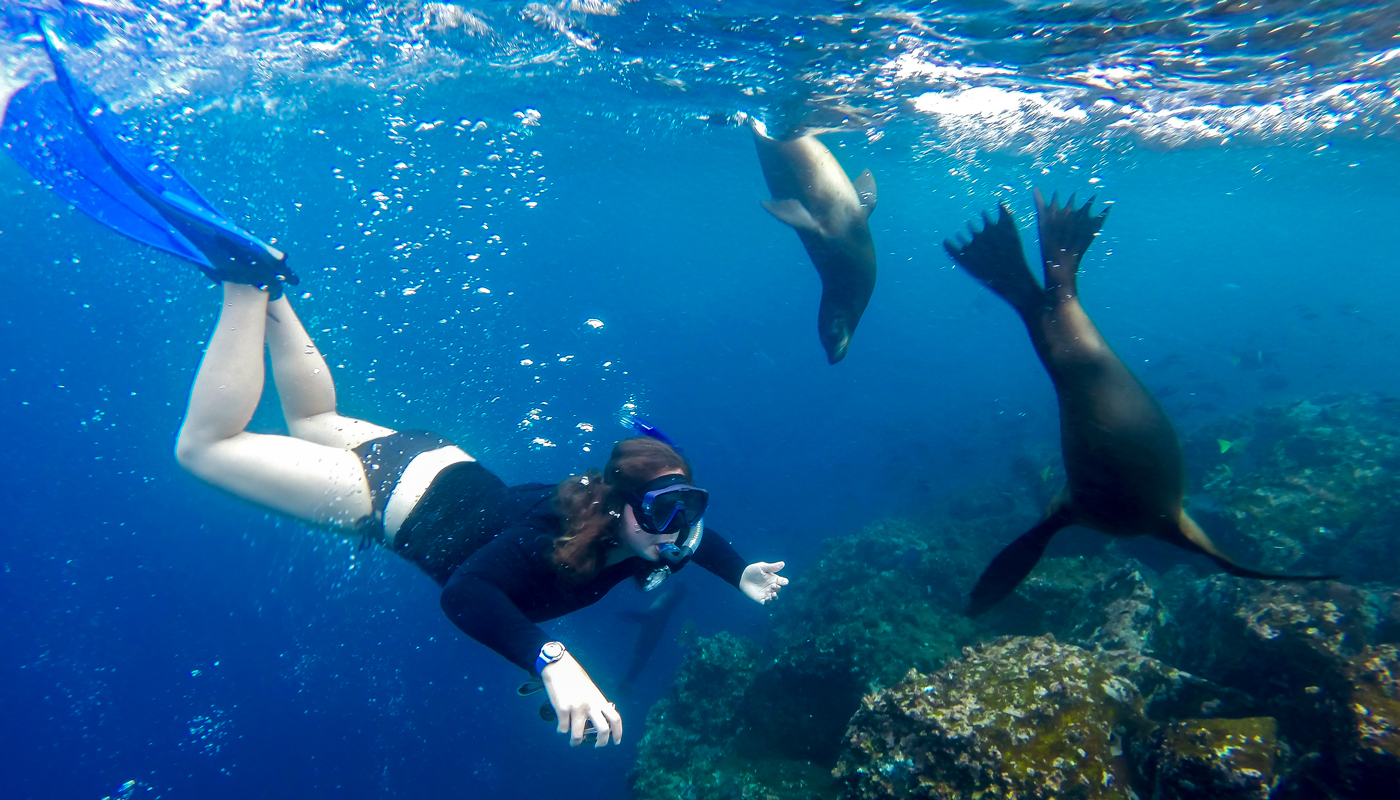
835	331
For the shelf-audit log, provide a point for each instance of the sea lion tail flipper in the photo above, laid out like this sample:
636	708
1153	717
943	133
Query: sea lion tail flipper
994	256
1013	564
1065	235
793	213
1189	536
865	189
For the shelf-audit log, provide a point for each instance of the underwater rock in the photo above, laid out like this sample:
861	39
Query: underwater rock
1289	645
694	724
1209	759
875	605
1020	717
691	747
1310	486
1046	601
1387	611
710	686
1369	756
797	707
885	600
1169	693
1121	612
1091	602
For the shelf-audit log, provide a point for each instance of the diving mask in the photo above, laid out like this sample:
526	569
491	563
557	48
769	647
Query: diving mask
668	505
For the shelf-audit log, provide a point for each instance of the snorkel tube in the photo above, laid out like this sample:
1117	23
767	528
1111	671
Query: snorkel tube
675	555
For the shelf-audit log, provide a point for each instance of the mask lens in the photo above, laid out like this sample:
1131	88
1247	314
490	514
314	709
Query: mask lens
671	509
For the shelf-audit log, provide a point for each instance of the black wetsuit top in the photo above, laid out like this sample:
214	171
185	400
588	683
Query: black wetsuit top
507	581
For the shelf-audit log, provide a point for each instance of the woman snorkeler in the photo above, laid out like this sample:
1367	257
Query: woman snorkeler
507	557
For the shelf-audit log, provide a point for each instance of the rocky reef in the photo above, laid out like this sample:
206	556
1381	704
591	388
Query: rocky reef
1099	677
1312	485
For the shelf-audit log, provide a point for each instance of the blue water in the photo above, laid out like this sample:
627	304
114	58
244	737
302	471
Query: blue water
158	632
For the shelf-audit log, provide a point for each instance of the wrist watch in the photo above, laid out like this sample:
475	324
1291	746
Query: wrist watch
549	653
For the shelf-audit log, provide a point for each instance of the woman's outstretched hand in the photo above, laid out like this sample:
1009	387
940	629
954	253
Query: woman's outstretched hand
761	580
577	702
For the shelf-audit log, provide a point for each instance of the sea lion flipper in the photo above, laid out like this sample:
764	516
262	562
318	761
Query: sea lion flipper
793	213
1065	235
1013	564
994	256
865	189
1189	536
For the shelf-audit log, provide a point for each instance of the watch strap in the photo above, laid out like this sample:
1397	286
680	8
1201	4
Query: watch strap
542	659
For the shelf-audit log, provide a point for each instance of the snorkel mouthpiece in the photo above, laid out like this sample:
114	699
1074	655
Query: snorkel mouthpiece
674	555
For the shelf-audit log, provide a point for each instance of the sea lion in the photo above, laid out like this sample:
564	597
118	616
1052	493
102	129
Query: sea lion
1125	475
812	194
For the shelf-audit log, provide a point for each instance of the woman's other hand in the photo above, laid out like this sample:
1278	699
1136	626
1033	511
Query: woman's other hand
761	580
577	702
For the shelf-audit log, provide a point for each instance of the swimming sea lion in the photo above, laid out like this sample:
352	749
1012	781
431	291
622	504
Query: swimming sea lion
812	194
1125	474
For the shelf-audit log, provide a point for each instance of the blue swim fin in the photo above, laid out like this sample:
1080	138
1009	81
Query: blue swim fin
68	138
42	135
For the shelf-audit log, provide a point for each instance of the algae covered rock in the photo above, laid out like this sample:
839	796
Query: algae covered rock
886	598
692	747
1049	599
1289	645
1387	605
798	704
1310	486
1097	603
1210	759
1022	717
1169	693
1370	755
861	618
692	726
1121	612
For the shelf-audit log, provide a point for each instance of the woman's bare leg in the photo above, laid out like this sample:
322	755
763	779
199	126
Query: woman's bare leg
305	385
319	483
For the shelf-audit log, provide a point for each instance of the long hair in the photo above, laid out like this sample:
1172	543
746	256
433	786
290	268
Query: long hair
590	505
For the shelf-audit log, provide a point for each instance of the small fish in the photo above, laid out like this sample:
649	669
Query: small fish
1224	445
1045	475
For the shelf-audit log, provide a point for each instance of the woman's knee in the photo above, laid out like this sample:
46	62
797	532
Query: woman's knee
189	451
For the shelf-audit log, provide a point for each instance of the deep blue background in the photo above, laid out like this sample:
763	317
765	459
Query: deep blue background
159	631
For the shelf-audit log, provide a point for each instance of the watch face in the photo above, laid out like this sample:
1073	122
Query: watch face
552	650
